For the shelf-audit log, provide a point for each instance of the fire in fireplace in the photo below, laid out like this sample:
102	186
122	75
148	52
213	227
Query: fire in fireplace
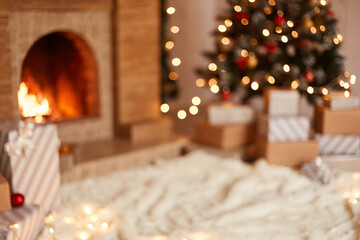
59	79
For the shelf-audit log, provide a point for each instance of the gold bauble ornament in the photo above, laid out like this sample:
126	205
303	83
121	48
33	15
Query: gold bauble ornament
308	22
252	61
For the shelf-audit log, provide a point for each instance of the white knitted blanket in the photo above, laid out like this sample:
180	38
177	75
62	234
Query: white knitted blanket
204	197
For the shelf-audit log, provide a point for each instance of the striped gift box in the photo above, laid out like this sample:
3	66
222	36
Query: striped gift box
36	174
23	223
284	129
339	144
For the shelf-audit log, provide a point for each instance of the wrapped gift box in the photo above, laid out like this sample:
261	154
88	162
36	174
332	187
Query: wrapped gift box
290	154
229	113
339	144
282	129
5	204
337	101
281	102
35	173
229	136
337	122
22	223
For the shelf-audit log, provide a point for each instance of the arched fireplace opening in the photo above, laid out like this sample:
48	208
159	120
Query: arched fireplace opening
59	79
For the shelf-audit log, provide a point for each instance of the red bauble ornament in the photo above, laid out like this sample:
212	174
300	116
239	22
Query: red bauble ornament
241	15
271	47
226	96
279	20
331	13
241	62
17	199
309	76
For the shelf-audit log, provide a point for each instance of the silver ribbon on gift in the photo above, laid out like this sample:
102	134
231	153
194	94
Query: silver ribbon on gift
319	171
20	140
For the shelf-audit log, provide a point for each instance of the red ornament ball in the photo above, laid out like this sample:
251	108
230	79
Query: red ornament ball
241	15
17	199
241	62
226	96
309	76
331	13
279	20
271	47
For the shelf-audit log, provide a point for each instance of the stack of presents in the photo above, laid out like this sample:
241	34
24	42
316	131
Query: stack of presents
279	133
29	179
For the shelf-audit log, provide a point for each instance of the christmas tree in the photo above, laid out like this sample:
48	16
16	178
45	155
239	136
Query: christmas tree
287	43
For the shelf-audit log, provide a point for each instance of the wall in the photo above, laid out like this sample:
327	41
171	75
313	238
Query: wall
196	20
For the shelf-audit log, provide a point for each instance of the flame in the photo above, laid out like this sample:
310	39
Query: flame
31	105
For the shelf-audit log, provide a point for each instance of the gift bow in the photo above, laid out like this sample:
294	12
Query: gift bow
21	139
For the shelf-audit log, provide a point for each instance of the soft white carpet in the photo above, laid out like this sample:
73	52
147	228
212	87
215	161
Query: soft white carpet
204	197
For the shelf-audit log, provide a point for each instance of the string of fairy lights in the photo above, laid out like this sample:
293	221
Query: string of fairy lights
173	75
344	80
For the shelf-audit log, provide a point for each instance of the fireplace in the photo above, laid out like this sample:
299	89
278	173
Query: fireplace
91	67
59	79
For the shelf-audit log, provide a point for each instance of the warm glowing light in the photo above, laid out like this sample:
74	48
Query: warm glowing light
265	32
346	74
212	82
84	236
169	45
347	94
284	39
222	28
214	88
322	28
87	209
353	79
51	230
193	110
340	37
170	10
31	105
336	41
15	226
200	82
294	84
267	10
317	9
245	80
212	67
244	53
68	220
252	1
295	34
228	23
272	2
225	41
253	41
173	75
196	100
254	86
346	85
49	219
90	226
222	57
237	8
174	29
342	83
313	30
323	2
271	79
244	21
286	68
325	91
159	237
310	90
181	114
176	62
164	108
105	225
290	23
278	29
